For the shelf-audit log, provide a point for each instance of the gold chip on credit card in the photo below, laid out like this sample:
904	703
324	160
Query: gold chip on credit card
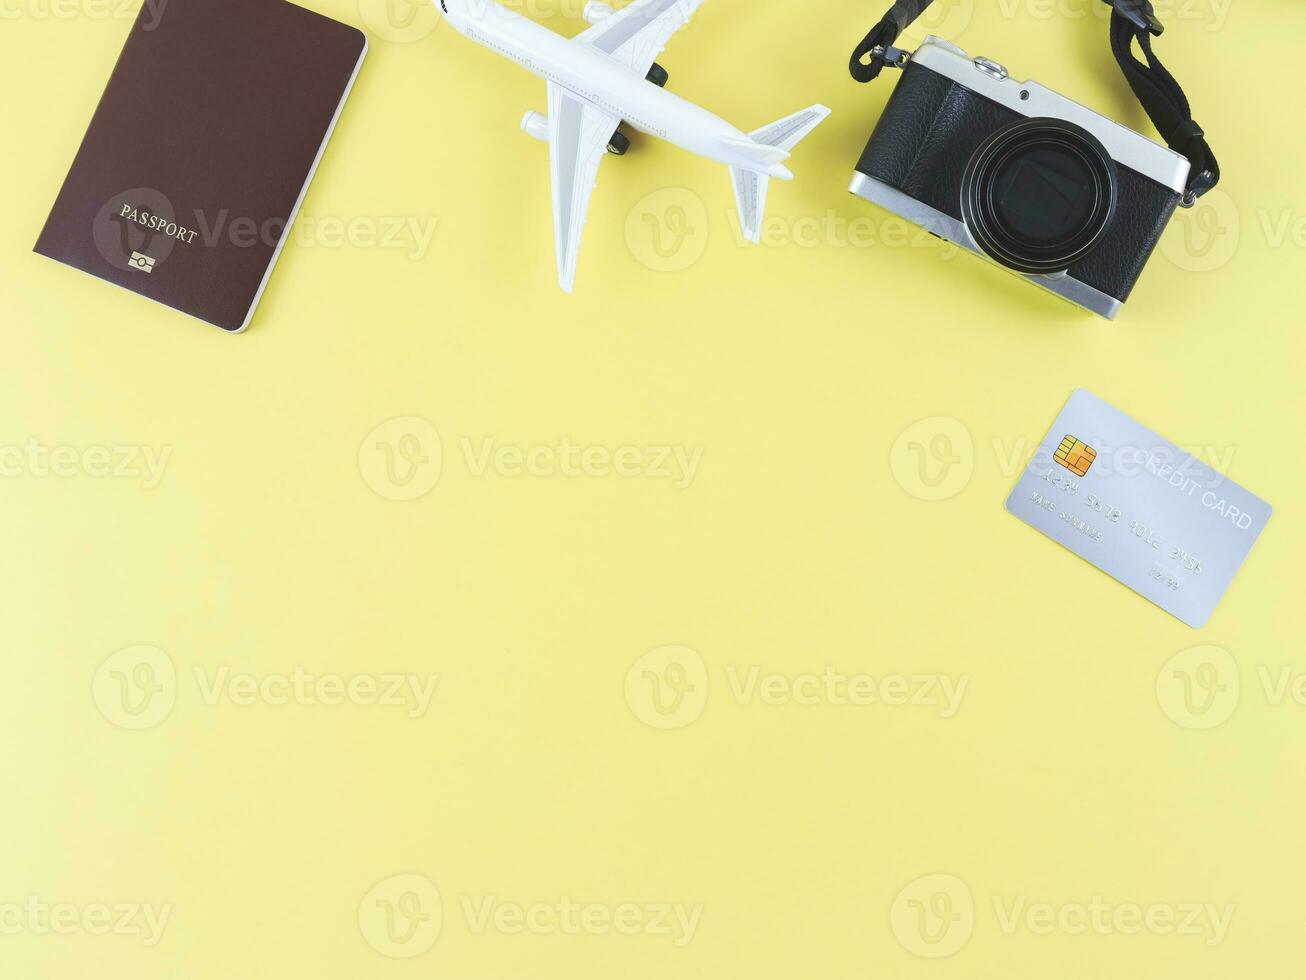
1075	455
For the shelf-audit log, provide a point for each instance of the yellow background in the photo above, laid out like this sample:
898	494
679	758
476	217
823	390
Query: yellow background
1073	767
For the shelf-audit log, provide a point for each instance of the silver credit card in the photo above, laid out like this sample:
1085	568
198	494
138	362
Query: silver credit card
1138	507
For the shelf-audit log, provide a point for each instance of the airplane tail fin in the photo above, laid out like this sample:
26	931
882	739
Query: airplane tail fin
750	198
770	146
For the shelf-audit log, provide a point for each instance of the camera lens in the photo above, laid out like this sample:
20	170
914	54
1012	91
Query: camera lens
1037	195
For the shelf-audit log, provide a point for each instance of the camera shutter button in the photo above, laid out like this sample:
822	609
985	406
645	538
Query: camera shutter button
991	68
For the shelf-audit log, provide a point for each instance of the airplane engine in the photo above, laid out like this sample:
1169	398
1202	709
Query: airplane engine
537	125
596	10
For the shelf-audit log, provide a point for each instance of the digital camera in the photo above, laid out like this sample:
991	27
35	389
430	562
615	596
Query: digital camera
1017	173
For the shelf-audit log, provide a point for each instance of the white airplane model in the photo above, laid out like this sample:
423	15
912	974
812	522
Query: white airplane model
606	76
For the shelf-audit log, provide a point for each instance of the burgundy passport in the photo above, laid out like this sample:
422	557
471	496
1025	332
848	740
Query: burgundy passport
202	147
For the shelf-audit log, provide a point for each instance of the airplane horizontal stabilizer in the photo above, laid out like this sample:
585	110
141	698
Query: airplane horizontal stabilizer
759	153
786	133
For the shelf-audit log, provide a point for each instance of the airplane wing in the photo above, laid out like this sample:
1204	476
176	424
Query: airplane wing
578	139
637	33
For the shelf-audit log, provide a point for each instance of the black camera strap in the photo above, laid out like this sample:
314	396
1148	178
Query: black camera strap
1131	20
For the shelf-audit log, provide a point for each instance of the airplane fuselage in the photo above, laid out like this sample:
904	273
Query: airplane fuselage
601	79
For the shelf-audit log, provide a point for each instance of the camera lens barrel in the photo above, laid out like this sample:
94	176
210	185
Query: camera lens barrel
1038	194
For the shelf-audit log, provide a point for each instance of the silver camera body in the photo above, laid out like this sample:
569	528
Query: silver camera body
1021	175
